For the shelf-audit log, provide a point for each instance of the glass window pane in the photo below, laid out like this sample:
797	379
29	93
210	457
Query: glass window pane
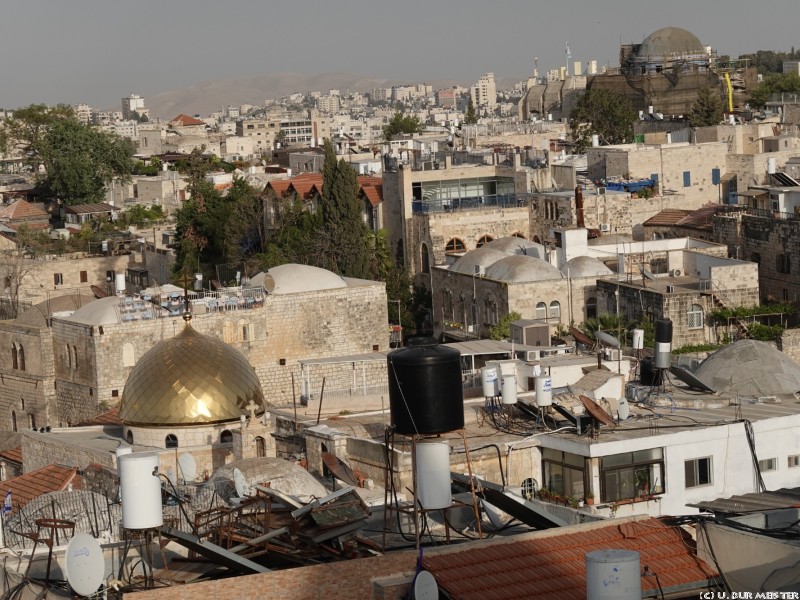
641	456
617	459
703	471
549	453
573	459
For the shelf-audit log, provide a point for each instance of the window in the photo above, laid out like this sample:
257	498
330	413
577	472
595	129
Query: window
425	259
75	357
13	421
32	422
58	279
541	310
696	317
632	474
484	240
783	263
687	179
14	360
69	357
21	355
228	332
226	437
115	393
768	464
591	308
171	441
794	461
755	257
129	436
563	472
455	245
555	310
84	277
528	488
698	472
261	447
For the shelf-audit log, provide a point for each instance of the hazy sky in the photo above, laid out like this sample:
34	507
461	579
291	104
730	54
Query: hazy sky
97	51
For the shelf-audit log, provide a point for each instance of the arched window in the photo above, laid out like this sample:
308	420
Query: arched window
541	310
591	308
21	354
696	317
536	239
261	447
555	310
128	355
484	240
69	357
171	441
447	304
519	235
32	421
425	259
243	327
75	357
455	245
228	332
14	362
13	420
129	437
226	437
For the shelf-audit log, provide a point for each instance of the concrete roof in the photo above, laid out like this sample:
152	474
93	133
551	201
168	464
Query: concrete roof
37	315
585	266
279	474
521	269
295	279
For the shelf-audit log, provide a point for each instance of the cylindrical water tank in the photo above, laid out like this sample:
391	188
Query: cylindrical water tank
638	339
433	474
425	391
119	282
663	349
544	390
508	388
489	381
771	166
122	451
595	140
613	575
140	491
648	373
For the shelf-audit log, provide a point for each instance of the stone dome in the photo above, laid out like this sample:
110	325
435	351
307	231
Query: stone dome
190	379
294	279
480	257
585	266
516	245
670	41
750	368
520	269
38	314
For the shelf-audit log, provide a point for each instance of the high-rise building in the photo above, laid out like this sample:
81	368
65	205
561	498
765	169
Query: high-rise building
484	93
134	104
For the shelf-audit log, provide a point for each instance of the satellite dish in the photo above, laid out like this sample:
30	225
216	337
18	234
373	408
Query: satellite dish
187	467
239	483
425	587
646	273
607	339
85	564
623	409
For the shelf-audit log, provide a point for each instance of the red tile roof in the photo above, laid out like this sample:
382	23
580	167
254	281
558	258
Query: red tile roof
20	210
12	454
42	481
279	186
110	417
185	121
305	184
373	193
700	218
553	566
666	217
90	209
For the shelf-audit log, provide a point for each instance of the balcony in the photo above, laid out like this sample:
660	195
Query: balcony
423	207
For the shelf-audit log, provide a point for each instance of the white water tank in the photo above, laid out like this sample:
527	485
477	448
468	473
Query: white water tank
771	166
544	390
613	575
638	339
119	282
508	389
433	474
489	381
122	451
140	491
595	140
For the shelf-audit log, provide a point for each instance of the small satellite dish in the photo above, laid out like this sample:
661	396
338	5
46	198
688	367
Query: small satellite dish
425	587
85	564
646	273
187	467
623	409
607	339
239	483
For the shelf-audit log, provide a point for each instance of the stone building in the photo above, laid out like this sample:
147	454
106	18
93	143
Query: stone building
301	313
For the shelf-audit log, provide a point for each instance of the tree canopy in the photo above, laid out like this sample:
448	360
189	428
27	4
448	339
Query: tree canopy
602	113
471	117
775	83
402	123
707	109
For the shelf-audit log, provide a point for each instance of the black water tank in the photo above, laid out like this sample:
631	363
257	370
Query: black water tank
648	374
664	331
425	390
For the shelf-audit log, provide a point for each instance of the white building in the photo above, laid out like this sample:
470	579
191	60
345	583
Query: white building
484	93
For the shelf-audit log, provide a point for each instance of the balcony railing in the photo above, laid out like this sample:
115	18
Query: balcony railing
422	207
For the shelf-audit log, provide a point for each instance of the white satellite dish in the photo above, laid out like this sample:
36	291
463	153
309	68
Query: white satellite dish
85	564
425	587
607	339
187	467
239	483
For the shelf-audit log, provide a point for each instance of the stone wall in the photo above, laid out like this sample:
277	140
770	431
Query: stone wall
43	449
27	396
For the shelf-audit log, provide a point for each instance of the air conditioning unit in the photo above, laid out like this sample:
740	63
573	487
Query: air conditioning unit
605	227
612	354
676	272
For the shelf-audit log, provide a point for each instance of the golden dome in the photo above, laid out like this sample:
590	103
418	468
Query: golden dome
190	379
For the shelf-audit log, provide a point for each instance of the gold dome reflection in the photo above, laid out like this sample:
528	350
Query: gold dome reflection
189	379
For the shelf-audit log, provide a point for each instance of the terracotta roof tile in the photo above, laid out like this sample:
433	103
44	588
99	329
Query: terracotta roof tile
700	218
666	217
31	485
88	209
373	193
20	210
185	121
279	186
12	454
110	417
554	566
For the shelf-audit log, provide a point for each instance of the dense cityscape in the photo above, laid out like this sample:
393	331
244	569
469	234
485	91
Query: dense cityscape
544	330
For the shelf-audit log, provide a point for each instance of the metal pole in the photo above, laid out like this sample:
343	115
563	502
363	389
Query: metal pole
321	394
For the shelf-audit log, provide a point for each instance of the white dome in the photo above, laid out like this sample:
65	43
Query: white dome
481	257
520	268
585	266
516	245
295	279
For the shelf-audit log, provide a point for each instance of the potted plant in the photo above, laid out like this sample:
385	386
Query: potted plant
544	493
590	499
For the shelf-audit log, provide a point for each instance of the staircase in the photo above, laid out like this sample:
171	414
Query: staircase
722	299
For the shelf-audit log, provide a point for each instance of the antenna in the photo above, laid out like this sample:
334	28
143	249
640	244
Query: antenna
85	564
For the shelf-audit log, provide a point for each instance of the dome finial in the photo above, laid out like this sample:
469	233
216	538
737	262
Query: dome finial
187	307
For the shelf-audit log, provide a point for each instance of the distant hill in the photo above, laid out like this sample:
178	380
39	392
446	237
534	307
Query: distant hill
209	96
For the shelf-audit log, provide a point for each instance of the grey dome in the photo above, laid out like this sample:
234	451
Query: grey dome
516	245
520	268
670	41
752	368
481	257
585	266
294	279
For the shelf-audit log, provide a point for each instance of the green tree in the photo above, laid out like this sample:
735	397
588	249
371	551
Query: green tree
26	129
470	118
502	330
602	113
707	109
80	160
774	83
402	123
344	233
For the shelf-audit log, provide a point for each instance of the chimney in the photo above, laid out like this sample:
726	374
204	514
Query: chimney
579	205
